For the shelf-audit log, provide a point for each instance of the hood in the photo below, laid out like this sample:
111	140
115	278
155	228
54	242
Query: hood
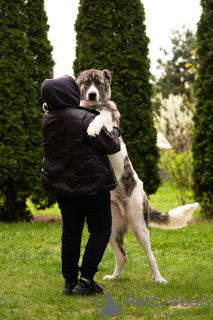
60	92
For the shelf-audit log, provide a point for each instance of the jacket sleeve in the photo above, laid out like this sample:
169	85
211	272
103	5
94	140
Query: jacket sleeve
106	142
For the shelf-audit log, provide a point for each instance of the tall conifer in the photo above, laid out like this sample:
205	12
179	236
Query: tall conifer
20	117
203	133
175	78
39	43
41	49
112	35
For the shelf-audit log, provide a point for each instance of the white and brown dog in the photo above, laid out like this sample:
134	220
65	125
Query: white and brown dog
129	203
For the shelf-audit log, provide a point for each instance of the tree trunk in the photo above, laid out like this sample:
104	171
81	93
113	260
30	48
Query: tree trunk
11	197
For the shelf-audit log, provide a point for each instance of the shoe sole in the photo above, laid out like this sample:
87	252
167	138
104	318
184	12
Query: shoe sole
83	292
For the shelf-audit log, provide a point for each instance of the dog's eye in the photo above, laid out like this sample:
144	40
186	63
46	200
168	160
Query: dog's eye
86	82
99	83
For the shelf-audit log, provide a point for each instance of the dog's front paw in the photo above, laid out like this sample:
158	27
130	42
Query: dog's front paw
96	126
108	277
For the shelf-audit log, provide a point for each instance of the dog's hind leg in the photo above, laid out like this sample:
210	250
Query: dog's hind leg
141	232
119	229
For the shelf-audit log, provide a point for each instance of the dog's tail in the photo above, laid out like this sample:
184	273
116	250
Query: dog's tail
174	219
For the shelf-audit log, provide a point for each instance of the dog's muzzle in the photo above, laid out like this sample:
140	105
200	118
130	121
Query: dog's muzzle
93	96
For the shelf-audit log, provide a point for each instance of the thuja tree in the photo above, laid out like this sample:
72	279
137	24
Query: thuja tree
42	68
112	35
203	132
20	138
39	44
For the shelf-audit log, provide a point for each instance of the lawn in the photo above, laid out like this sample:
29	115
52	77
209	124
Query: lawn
31	281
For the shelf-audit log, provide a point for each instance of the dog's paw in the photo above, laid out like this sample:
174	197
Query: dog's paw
108	277
160	279
96	126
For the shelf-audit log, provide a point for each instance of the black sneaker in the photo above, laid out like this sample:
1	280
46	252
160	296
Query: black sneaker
68	288
86	288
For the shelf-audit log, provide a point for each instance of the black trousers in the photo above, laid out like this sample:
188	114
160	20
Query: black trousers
96	210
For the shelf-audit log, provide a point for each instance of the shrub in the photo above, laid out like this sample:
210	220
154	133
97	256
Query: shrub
180	168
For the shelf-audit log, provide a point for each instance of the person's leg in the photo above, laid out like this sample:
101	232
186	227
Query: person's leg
73	222
99	220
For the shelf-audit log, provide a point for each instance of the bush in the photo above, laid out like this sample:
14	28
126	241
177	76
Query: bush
180	168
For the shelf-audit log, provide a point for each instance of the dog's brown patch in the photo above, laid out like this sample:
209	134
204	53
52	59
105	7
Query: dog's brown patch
127	179
119	238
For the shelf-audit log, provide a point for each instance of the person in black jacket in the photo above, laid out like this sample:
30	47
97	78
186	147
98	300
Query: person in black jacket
77	170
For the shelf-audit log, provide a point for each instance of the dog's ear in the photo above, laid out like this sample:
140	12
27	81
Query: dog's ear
107	75
78	80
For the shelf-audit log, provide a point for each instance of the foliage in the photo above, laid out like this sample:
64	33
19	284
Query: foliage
112	35
180	168
174	120
20	139
175	77
190	65
53	210
203	133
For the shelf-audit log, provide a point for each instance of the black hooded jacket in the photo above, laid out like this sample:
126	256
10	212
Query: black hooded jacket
73	163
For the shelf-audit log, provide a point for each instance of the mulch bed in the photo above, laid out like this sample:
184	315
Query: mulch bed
57	218
49	218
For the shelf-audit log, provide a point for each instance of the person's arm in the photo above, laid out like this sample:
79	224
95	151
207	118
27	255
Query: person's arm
106	142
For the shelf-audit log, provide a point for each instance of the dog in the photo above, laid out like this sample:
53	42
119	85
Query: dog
129	203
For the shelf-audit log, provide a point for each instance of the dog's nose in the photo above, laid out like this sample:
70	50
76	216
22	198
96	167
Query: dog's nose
92	96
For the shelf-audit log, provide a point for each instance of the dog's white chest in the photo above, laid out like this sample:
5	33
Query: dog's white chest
117	161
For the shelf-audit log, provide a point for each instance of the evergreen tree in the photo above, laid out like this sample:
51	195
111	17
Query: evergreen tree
112	35
176	77
43	68
39	44
203	132
20	117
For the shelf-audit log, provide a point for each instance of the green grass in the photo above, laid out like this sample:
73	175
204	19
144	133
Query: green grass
31	280
165	198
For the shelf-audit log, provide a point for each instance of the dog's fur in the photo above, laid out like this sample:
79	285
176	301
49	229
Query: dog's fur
129	203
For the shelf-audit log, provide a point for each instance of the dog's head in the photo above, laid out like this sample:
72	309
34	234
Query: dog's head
94	87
